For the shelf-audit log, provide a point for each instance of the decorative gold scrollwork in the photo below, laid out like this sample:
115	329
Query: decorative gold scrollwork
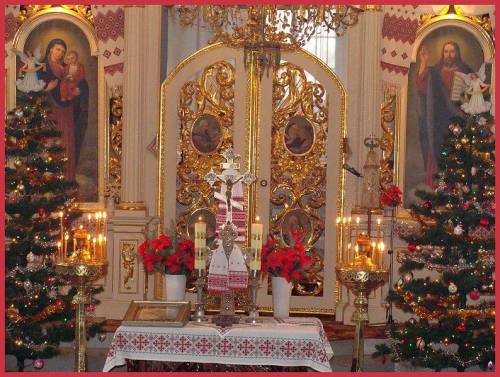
387	119
28	11
209	99
113	184
298	164
128	254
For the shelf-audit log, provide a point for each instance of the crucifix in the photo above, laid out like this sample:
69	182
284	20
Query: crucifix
228	233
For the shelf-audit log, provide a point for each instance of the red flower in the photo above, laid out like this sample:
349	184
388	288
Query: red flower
484	222
189	262
412	246
186	247
164	241
173	263
274	261
143	247
391	196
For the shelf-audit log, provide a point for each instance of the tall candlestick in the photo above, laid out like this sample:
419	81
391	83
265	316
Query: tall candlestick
59	251
65	250
61	215
200	243
256	245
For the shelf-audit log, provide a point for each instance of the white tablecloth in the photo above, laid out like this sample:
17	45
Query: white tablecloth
297	342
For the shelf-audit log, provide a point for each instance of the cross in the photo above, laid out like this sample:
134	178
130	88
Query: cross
229	179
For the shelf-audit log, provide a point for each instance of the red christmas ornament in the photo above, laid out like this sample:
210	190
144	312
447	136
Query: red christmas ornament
412	246
59	303
41	212
466	205
461	327
38	364
474	294
427	204
484	222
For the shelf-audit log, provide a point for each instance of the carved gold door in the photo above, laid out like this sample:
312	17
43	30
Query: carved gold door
287	124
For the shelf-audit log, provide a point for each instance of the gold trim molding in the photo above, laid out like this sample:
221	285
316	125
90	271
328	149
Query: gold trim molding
128	256
113	184
387	123
28	11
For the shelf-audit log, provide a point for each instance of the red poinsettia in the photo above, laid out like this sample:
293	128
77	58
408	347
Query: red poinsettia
164	256
289	262
391	197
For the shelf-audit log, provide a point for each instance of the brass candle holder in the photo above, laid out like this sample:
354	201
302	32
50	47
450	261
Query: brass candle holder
83	266
361	276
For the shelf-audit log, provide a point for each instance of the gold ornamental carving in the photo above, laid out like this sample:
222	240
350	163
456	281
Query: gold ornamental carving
206	113
128	254
298	163
28	11
387	123
113	184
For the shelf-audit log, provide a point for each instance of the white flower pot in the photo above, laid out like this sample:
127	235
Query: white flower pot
176	287
282	291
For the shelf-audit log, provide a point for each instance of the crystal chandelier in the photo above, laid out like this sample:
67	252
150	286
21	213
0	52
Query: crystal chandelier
285	26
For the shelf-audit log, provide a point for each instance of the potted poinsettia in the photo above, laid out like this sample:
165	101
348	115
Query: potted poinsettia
174	258
286	265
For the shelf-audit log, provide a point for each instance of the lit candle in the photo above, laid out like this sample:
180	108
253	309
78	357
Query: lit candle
348	253
99	245
357	226
379	228
200	243
356	251
256	244
373	253
381	248
89	218
59	251
97	217
104	223
87	246
61	215
65	250
94	241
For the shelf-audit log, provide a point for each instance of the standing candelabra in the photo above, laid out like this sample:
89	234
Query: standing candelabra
361	272
199	311
253	313
82	264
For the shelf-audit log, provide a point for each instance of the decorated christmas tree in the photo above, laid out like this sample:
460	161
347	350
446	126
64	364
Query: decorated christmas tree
39	312
451	294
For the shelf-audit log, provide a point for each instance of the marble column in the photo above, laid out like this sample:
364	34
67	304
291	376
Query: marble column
364	87
133	94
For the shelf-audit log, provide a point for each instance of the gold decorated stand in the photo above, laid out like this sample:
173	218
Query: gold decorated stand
86	264
361	276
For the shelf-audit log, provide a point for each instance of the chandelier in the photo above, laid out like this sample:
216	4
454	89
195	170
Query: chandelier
285	26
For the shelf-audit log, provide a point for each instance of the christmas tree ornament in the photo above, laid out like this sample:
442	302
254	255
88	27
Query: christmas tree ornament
408	277
491	365
412	321
102	337
461	327
38	364
20	187
474	294
30	258
420	343
19	113
452	288
484	222
27	285
458	146
400	282
455	129
412	246
427	204
41	212
458	230
473	171
464	140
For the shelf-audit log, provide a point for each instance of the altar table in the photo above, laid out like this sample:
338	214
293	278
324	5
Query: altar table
291	342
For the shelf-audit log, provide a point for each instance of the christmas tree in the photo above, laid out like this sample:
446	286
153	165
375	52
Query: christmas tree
39	312
453	322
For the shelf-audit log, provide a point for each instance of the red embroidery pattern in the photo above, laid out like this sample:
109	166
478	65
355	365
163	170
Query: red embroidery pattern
394	68
110	25
10	26
400	29
112	69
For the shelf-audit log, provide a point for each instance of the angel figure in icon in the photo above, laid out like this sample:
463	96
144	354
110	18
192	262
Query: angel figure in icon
28	80
475	89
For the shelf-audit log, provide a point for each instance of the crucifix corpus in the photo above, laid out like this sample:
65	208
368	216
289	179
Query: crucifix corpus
228	269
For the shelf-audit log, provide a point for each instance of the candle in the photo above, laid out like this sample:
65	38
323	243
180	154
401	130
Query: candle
94	241
256	245
381	248
348	253
104	249
200	243
104	223
61	215
97	217
65	250
356	251
99	246
89	218
59	251
379	228
357	226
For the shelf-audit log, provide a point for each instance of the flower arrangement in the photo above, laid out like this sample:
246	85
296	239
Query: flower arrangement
391	196
163	255
289	262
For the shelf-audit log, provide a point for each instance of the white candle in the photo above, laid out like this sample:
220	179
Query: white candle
94	241
357	226
379	228
256	245
200	243
381	248
59	251
65	250
99	246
